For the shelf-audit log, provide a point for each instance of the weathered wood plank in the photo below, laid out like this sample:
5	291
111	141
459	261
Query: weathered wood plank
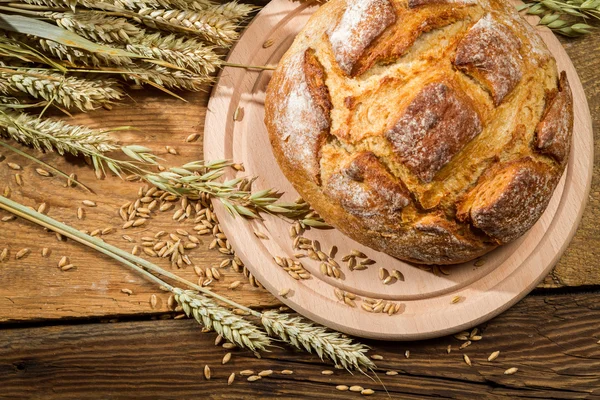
551	339
94	288
579	265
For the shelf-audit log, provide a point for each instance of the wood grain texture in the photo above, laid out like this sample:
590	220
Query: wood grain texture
34	289
579	264
551	339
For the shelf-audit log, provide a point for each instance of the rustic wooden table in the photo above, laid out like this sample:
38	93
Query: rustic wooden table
76	334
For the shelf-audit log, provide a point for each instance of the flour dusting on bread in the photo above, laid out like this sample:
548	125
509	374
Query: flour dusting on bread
361	23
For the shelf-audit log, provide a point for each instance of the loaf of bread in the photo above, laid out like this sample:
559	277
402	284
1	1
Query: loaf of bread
431	130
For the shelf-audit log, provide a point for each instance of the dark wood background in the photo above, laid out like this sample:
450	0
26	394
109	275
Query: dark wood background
75	334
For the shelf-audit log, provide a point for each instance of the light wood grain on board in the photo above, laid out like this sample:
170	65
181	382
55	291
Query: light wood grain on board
551	339
432	304
32	288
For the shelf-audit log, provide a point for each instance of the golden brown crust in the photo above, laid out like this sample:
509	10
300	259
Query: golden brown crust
410	154
410	25
487	52
509	198
361	23
553	133
436	125
363	187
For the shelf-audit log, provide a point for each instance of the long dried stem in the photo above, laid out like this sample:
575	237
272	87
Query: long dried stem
293	330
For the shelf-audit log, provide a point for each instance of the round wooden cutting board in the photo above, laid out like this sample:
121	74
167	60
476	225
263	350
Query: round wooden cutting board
431	301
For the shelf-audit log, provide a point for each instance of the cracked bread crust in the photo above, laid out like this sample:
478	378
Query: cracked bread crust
439	132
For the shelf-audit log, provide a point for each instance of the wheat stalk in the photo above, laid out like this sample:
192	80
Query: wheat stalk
96	26
185	53
82	93
198	177
293	330
53	3
564	17
165	77
232	327
212	27
232	10
313	338
189	54
80	57
56	135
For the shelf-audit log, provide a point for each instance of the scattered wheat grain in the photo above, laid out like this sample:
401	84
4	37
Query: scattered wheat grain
494	355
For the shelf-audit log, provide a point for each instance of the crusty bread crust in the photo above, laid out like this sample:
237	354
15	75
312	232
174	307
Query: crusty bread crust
431	130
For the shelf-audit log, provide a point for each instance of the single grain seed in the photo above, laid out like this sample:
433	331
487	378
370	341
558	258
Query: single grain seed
407	354
235	285
377	357
88	203
63	261
287	372
153	301
284	292
67	267
467	360
358	254
45	252
511	371
128	292
455	299
494	355
42	172
356	388
342	388
391	373
14	166
8	218
4	254
19	179
465	345
388	280
367	392
247	372
266	372
139	222
231	378
192	138
253	378
207	372
327	372
226	358
449	349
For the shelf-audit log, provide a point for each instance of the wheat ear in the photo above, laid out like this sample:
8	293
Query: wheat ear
83	93
316	339
232	327
96	26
